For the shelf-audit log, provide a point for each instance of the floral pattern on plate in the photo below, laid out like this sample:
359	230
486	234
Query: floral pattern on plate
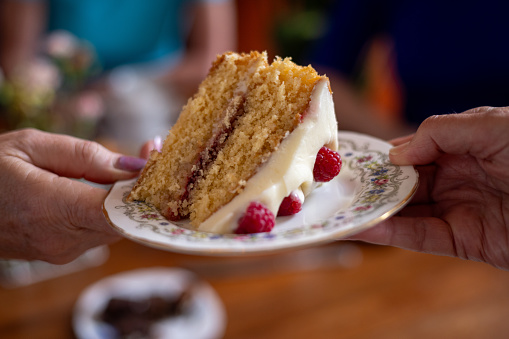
368	190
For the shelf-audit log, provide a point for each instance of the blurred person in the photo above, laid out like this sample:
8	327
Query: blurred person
447	57
152	55
461	207
45	214
175	40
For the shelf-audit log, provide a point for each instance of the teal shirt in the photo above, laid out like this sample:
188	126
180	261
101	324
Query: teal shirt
125	31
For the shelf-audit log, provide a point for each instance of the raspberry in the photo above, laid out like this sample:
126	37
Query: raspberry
257	218
290	205
327	165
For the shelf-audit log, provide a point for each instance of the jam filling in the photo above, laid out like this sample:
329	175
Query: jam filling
220	134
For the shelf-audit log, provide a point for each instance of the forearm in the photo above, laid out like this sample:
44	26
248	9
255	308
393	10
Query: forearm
213	32
21	24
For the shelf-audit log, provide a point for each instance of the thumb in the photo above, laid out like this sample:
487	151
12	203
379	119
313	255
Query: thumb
477	132
76	158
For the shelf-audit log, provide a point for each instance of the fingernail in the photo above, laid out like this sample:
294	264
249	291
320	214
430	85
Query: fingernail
158	143
128	163
399	149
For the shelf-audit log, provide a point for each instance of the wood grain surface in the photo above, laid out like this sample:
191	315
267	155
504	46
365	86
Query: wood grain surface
340	290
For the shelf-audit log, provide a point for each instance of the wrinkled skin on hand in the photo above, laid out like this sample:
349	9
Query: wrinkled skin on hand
46	215
461	208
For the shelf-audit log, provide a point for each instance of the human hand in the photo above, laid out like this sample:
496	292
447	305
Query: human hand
46	215
151	145
461	208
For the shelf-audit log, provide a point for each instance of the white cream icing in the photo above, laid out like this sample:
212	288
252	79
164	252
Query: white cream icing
289	169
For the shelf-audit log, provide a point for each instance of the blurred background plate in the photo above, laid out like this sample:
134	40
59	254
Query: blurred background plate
203	318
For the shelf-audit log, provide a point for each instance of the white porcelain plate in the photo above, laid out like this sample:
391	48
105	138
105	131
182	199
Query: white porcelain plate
205	317
368	190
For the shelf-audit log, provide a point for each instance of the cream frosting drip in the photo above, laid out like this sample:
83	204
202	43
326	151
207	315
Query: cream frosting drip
289	169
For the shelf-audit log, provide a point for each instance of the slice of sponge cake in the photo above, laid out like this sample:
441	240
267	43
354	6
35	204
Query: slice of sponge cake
241	116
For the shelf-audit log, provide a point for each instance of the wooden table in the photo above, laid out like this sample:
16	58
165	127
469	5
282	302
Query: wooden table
368	292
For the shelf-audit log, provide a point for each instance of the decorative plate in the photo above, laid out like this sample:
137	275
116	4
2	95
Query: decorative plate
368	190
203	318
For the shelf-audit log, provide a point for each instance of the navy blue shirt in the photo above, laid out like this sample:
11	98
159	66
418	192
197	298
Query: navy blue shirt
451	55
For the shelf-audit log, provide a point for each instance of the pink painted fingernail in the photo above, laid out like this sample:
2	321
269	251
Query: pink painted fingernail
128	163
398	149
158	143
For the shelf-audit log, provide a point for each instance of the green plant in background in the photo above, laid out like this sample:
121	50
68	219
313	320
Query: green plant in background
26	98
300	26
48	93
